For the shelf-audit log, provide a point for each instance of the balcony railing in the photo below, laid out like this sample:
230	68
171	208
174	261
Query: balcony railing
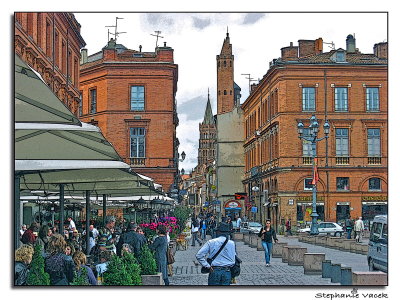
137	161
374	160
342	160
307	160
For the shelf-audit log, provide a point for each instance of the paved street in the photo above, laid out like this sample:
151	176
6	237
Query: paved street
254	271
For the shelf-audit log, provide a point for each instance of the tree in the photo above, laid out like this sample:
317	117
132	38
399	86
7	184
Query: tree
116	273
181	213
132	267
80	277
147	261
37	274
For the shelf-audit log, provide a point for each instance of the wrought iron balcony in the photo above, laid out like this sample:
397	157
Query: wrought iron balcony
374	160
137	161
342	160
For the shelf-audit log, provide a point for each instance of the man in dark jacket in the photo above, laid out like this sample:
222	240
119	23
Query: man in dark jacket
132	238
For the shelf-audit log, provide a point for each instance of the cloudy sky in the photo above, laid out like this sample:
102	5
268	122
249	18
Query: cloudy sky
197	38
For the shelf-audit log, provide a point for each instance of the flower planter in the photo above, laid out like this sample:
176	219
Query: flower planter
152	279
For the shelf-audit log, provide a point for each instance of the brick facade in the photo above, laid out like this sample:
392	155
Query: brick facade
50	43
274	155
115	73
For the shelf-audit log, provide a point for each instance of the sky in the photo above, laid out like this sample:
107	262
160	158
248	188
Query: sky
197	38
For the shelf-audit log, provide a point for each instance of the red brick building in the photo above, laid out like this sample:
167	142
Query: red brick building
349	90
50	43
130	95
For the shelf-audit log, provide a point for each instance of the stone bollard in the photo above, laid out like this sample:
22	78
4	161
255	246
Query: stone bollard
369	278
253	240
313	263
277	249
296	256
238	236
337	243
361	248
320	240
331	242
259	245
246	238
346	244
346	276
326	269
364	249
285	252
336	273
353	247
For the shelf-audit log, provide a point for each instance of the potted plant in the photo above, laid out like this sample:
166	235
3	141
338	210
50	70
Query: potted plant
116	273
132	267
37	274
148	268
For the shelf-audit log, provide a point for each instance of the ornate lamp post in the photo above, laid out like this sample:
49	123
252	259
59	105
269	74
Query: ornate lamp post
312	137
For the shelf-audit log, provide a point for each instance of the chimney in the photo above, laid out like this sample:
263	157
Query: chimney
253	87
350	44
306	47
289	53
109	51
84	57
318	44
380	50
140	48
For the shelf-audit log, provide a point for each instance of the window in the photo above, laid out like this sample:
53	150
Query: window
342	141
342	183
374	184
308	186
374	142
224	92
376	231
137	97
340	56
308	99
372	99
341	99
56	49
80	112
48	39
307	146
138	142
93	101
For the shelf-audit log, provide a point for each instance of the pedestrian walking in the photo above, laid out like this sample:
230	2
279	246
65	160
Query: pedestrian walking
359	228
238	223
212	224
267	234
203	226
195	232
289	226
218	255
23	257
59	265
349	227
160	246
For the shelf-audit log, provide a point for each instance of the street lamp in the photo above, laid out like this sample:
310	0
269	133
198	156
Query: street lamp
312	137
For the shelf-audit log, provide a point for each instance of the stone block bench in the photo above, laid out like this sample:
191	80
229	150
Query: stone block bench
312	263
369	278
296	256
238	236
285	252
277	249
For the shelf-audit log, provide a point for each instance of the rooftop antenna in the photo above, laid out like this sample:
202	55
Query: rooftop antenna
116	32
250	80
331	45
157	35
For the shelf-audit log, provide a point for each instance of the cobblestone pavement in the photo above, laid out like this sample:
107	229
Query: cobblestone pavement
253	269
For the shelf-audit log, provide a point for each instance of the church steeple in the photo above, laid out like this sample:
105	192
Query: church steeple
208	115
225	84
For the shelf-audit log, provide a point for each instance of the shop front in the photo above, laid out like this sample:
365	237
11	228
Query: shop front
373	206
233	209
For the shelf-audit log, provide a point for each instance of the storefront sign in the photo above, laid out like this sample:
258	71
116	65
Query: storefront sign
374	198
308	199
233	204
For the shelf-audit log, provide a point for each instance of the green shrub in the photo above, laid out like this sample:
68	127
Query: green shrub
37	274
80	277
116	273
132	267
181	213
147	261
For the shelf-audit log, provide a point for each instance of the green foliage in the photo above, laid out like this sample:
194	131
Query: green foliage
80	277
181	213
37	275
147	261
132	267
116	273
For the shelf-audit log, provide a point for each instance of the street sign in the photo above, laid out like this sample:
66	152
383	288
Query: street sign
254	209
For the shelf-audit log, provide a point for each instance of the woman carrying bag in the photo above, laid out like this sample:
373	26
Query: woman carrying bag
267	234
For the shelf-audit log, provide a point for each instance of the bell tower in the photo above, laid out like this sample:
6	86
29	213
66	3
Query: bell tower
225	83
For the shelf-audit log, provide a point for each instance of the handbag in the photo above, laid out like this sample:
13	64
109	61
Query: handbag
205	270
235	269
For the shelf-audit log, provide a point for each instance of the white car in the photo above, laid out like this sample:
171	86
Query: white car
326	228
252	227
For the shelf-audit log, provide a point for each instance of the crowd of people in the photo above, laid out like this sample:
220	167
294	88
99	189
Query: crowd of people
64	254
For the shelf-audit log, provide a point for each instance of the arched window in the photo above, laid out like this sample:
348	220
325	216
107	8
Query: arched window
224	63
224	92
218	64
230	93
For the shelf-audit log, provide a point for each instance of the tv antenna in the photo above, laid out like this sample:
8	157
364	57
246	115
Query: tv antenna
250	80
331	45
116	32
157	35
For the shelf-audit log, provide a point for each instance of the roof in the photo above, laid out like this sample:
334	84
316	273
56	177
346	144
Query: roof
208	115
352	58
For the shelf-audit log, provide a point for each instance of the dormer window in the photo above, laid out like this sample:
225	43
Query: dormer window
340	56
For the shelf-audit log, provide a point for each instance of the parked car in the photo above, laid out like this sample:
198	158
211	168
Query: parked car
252	227
377	246
326	228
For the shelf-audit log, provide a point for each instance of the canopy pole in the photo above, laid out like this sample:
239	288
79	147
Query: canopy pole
61	230
17	209
104	209
87	220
